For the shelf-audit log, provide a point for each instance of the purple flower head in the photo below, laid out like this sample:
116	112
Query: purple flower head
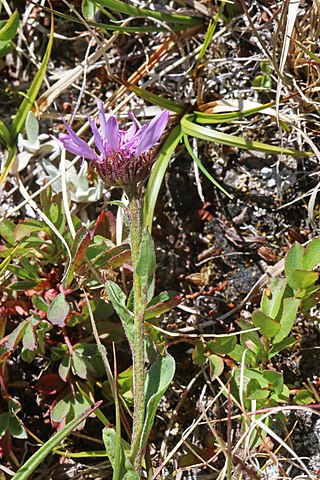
123	158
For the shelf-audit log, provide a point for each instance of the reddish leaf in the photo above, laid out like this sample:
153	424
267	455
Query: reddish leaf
163	303
106	225
5	445
50	384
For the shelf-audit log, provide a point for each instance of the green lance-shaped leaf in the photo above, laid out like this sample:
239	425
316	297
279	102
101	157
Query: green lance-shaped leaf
202	168
32	463
146	264
158	379
8	32
5	137
189	127
124	470
122	7
118	300
271	299
58	310
156	99
268	327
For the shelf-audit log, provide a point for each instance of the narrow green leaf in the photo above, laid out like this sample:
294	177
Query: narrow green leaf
156	99
158	379
124	468
132	11
209	34
26	105
268	327
5	137
225	117
310	54
192	129
157	175
118	300
202	168
278	347
32	463
9	31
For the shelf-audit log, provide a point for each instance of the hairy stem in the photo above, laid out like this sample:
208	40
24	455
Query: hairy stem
139	302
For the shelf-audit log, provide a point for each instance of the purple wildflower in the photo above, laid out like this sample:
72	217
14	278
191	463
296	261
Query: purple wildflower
123	158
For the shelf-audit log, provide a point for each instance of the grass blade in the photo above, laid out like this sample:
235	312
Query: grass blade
202	168
157	174
132	11
192	129
156	99
19	119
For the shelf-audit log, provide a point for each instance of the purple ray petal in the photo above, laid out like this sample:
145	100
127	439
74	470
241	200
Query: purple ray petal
86	151
71	147
112	131
97	137
129	134
153	132
102	118
134	119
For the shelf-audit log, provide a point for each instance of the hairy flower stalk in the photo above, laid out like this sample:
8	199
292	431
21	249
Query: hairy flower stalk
124	159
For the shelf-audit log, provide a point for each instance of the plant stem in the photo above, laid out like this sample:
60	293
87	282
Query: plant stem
139	303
